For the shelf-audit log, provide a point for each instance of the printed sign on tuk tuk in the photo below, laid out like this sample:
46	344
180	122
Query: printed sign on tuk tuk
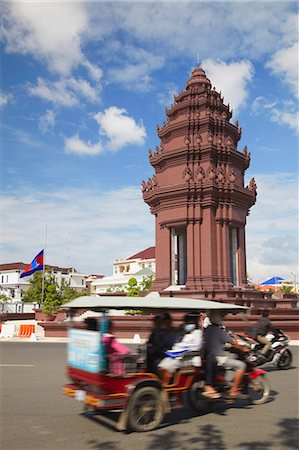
85	350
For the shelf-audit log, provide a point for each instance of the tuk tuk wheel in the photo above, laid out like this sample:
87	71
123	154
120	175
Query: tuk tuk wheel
197	401
145	409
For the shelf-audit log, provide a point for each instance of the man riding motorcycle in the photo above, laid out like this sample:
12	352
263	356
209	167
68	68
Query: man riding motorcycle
258	332
215	337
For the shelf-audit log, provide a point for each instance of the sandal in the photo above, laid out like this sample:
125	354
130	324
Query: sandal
211	395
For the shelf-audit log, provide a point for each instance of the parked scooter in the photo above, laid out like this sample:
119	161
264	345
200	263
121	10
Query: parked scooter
255	385
279	352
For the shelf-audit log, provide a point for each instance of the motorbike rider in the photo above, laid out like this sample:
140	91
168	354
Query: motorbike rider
215	337
259	330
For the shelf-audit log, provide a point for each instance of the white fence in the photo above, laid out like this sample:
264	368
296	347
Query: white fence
18	307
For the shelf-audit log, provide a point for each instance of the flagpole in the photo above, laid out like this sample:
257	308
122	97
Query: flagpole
43	276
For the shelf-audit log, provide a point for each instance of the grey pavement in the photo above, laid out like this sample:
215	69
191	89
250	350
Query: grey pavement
36	416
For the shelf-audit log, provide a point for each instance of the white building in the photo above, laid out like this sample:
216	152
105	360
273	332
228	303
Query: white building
12	286
138	266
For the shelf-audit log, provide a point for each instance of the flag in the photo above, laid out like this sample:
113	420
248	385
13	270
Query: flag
36	264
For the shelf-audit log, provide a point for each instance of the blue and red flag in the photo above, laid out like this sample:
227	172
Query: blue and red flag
36	264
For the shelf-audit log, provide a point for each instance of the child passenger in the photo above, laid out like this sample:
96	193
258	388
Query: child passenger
114	348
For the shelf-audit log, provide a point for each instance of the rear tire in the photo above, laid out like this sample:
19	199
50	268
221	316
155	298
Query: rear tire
197	401
285	360
259	390
145	409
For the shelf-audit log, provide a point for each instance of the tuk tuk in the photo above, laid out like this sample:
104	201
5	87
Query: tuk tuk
138	395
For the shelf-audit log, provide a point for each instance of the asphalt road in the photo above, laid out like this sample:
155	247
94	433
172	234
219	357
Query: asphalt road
36	416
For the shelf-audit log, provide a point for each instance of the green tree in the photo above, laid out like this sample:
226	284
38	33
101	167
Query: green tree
114	289
146	284
68	293
4	298
34	293
52	296
286	288
133	290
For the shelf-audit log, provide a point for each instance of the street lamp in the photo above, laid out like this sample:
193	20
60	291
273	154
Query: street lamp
295	282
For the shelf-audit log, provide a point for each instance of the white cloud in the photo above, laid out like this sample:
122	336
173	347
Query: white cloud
283	113
290	118
272	230
119	128
231	79
136	69
65	92
50	32
173	26
119	224
47	121
4	99
75	145
166	99
284	64
95	71
262	103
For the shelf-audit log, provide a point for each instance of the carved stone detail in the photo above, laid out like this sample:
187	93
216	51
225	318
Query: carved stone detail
200	174
232	178
211	173
220	175
252	185
187	174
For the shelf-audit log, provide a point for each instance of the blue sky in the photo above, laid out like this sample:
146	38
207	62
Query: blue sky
83	85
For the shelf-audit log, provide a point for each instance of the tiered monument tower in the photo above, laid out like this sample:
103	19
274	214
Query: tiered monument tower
198	197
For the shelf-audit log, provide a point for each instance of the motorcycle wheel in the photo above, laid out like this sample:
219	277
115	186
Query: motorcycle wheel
197	401
259	390
145	409
285	360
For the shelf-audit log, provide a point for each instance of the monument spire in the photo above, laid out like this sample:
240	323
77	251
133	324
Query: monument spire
198	195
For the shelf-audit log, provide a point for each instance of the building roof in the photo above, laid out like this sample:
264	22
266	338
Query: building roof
148	253
272	281
144	272
13	266
22	266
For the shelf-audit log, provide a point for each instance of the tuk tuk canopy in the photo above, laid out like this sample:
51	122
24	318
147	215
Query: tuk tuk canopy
151	302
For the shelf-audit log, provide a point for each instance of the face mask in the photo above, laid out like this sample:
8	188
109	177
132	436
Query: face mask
189	327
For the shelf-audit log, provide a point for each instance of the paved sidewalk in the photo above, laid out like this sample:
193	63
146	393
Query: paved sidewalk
40	335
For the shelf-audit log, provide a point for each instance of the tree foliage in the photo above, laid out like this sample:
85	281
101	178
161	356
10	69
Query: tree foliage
34	293
115	289
54	296
4	298
133	290
286	288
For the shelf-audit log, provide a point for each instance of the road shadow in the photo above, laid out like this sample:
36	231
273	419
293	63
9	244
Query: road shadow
208	437
276	369
289	434
286	438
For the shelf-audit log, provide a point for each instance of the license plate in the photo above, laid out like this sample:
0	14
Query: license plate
80	395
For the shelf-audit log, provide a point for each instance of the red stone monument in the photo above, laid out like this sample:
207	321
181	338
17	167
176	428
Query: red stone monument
197	195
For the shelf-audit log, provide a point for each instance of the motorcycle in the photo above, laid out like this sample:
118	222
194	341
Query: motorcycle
278	354
255	385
